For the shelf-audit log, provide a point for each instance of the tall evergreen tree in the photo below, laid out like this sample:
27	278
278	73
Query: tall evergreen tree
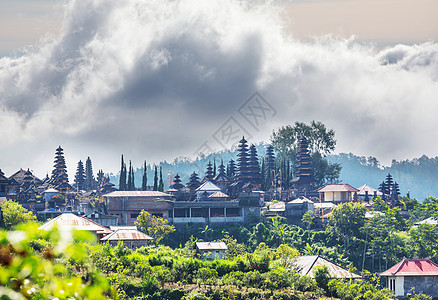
131	184
156	179
100	178
144	182
122	179
161	183
222	167
89	177
214	167
80	176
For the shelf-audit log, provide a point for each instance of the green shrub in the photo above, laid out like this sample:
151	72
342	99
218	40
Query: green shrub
253	279
322	277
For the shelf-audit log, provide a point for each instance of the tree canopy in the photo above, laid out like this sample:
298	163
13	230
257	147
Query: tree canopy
155	227
13	214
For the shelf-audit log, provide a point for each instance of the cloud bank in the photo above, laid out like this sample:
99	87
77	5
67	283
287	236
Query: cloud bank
156	79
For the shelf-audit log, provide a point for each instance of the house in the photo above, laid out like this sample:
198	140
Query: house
128	235
367	193
340	192
214	208
3	184
127	205
211	250
421	274
275	209
306	264
69	221
298	207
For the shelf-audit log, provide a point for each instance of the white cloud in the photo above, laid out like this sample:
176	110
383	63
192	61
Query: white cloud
154	79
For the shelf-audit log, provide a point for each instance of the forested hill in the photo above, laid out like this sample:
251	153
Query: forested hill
419	175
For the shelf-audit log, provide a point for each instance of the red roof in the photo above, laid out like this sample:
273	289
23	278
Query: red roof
339	187
412	267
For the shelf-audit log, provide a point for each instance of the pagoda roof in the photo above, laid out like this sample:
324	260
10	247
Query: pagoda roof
221	177
3	178
13	181
31	190
63	185
412	267
303	179
208	186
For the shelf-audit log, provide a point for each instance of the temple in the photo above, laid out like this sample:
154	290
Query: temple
303	182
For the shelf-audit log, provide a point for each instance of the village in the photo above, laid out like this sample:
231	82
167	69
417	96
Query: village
230	195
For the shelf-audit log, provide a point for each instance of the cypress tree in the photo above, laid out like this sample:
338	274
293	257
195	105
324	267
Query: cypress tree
89	177
100	178
122	179
263	174
144	182
214	167
130	177
156	179
161	184
80	176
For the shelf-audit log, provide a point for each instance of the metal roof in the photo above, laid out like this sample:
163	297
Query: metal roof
211	246
68	221
412	267
126	235
208	186
137	194
324	205
366	188
306	264
218	195
339	187
300	201
278	206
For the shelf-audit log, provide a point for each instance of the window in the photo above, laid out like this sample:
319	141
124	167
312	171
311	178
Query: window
134	216
391	284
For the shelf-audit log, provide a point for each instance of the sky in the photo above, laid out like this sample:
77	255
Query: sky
155	80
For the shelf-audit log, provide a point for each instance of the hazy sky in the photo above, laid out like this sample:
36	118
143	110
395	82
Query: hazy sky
159	79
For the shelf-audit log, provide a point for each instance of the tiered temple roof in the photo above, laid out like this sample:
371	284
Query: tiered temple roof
303	180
